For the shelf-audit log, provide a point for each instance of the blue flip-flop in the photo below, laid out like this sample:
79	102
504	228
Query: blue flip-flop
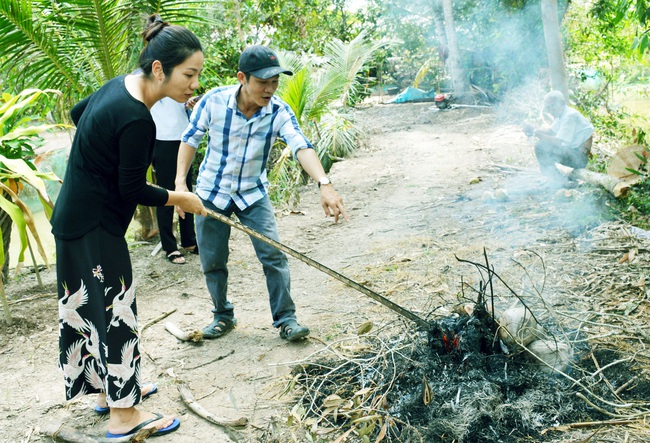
171	428
103	411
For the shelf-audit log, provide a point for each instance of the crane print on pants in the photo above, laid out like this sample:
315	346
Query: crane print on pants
99	339
69	305
124	371
122	307
74	365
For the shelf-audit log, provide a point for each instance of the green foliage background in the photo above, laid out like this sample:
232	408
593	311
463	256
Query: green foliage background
75	46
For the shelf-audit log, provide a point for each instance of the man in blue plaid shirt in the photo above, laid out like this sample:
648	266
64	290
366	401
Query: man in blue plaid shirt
242	123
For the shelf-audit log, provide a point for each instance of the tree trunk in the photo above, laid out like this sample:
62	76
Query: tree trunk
5	226
146	218
553	39
458	77
438	23
443	47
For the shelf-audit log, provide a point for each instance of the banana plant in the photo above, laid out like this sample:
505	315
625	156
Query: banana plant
20	126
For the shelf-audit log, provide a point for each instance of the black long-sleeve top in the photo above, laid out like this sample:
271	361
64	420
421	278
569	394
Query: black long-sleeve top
105	178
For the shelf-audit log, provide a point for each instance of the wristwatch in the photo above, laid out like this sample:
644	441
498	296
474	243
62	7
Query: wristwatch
324	181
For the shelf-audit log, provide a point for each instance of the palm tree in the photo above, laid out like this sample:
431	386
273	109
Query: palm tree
78	45
459	78
319	93
19	130
553	38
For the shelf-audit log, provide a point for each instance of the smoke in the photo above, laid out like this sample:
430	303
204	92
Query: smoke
502	46
525	210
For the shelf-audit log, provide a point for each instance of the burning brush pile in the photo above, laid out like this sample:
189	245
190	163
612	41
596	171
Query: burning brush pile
478	375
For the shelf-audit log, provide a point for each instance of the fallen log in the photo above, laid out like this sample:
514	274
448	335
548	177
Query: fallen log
188	399
194	336
61	432
616	187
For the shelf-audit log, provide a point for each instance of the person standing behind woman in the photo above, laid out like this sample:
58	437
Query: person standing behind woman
171	118
104	181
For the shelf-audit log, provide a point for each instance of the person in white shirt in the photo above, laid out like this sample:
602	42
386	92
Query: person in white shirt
171	118
567	141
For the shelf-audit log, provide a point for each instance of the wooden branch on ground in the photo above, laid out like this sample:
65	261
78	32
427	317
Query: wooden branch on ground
616	187
220	357
592	424
194	336
61	432
188	399
35	297
157	319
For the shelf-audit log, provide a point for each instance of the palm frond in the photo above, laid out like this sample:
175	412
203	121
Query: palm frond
34	46
80	44
338	139
297	92
346	60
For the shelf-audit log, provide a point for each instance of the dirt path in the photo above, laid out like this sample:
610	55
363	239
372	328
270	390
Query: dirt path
414	208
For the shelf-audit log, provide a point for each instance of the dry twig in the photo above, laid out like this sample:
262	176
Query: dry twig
188	399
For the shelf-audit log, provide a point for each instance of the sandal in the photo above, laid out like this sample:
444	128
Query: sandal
159	431
193	249
176	257
292	331
219	327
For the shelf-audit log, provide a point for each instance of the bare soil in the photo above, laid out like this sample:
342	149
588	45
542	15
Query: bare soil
427	188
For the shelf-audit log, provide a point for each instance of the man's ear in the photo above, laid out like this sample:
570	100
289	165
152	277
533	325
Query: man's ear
241	77
157	70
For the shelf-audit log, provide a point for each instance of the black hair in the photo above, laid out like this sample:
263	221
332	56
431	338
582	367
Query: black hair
169	44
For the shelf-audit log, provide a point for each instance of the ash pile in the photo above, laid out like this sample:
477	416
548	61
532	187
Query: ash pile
485	374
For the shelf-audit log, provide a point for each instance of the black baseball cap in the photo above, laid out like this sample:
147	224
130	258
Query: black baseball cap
261	62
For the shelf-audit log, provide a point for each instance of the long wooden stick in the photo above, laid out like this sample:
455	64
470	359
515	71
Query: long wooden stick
157	319
303	258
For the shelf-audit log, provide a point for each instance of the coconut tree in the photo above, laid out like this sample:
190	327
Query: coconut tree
319	93
459	78
77	45
554	48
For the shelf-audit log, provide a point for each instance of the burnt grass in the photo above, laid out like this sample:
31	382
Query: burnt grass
456	385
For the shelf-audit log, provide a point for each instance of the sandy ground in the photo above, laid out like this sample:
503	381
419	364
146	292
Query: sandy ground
423	190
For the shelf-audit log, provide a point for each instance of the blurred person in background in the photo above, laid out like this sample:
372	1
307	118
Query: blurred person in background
567	140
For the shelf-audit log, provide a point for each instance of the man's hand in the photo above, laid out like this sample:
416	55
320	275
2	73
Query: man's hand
193	101
332	203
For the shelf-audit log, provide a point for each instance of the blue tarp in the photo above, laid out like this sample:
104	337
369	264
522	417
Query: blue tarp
412	94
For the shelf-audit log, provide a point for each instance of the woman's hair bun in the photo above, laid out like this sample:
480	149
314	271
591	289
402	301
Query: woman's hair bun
154	25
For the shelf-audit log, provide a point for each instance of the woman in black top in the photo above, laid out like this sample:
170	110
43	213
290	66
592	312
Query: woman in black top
104	181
